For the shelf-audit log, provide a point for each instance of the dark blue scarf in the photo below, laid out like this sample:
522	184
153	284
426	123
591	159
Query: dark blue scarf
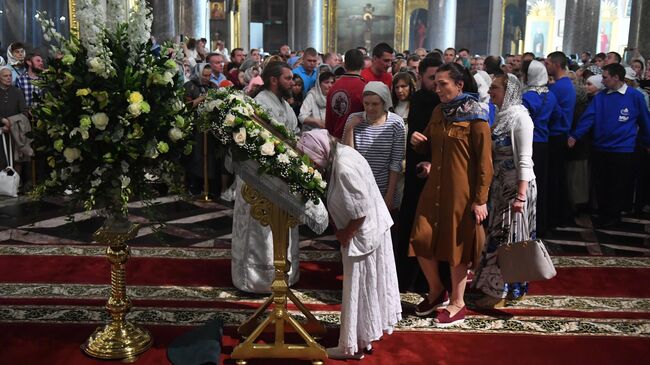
465	107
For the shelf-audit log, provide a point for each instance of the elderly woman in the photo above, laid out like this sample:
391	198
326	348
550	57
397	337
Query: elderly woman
542	107
12	103
312	111
380	137
452	205
513	191
371	300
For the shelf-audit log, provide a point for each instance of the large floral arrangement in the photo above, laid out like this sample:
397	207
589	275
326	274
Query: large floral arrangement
250	133
112	119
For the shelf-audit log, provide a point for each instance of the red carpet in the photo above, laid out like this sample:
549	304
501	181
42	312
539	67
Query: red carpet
586	315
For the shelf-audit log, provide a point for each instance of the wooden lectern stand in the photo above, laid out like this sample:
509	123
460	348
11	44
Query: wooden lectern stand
281	222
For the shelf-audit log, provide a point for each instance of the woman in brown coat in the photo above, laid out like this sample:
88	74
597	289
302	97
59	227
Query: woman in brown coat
452	205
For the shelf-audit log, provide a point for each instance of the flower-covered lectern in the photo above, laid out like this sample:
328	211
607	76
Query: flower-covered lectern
283	189
112	126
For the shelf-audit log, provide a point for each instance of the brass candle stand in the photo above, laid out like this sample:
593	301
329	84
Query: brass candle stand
269	214
119	339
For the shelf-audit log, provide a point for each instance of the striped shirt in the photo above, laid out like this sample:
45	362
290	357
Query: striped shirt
382	146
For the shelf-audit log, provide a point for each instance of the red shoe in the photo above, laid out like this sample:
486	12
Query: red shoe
425	308
444	319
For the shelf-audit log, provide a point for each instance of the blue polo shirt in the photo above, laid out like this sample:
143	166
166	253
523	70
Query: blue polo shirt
566	98
217	80
617	118
308	80
542	109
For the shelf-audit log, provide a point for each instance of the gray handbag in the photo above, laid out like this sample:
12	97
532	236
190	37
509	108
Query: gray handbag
525	260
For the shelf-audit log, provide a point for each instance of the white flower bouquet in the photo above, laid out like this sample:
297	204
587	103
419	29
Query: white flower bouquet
112	119
243	126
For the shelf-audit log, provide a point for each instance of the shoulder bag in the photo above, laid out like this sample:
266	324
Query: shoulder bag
9	179
526	260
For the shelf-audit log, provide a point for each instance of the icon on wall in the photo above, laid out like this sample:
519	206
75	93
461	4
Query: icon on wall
218	10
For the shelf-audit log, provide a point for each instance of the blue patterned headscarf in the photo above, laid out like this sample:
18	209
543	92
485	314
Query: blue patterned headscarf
463	108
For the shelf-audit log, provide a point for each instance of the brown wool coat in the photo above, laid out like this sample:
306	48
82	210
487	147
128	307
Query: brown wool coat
461	173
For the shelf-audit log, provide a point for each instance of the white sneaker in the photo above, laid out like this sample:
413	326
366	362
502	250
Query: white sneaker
337	354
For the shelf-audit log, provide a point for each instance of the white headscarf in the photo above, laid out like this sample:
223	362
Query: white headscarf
483	81
537	77
11	60
379	88
319	97
597	81
511	109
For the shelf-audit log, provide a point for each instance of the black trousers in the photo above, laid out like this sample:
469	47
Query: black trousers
612	173
558	212
540	159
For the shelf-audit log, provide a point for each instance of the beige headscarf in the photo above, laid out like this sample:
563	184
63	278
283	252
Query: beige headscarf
379	88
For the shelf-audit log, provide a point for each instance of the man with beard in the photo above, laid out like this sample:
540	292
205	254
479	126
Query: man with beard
237	56
252	243
382	59
423	102
34	63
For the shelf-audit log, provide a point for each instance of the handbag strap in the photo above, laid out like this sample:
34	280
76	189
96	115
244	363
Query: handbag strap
524	225
10	155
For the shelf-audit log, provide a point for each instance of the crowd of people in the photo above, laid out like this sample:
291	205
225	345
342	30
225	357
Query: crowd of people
432	158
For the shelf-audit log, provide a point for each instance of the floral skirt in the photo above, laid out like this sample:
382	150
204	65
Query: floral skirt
488	276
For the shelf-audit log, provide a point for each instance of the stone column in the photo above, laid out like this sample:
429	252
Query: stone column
442	24
164	20
193	18
581	26
245	23
639	37
308	25
495	36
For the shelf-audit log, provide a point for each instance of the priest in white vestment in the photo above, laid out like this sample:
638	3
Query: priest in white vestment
252	243
371	300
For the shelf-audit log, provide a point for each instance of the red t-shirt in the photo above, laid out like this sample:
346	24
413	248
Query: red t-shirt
343	99
386	77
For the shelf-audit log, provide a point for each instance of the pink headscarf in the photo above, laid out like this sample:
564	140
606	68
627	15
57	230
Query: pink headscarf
316	144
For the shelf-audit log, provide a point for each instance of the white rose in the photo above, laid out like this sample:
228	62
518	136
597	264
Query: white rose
168	77
175	134
317	175
95	64
265	134
323	184
214	104
304	169
100	120
240	137
84	134
268	149
150	177
71	154
229	121
283	158
125	181
134	109
292	154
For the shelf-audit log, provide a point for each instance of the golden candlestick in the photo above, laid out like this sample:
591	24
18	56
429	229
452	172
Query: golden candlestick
206	180
269	214
119	339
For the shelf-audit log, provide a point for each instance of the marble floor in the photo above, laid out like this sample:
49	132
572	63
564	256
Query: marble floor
198	223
